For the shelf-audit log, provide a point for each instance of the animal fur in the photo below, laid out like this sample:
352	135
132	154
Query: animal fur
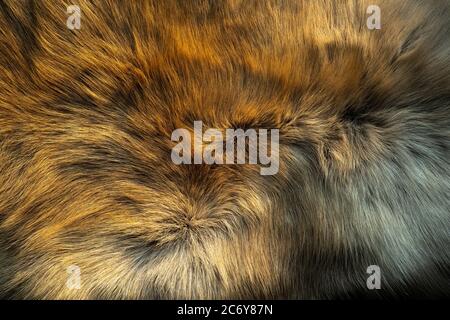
86	177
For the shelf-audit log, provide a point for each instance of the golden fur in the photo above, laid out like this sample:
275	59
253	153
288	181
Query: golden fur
86	177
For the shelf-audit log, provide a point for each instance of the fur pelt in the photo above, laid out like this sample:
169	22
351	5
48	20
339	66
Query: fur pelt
86	177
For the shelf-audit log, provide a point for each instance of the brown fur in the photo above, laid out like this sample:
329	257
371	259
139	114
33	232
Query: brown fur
86	177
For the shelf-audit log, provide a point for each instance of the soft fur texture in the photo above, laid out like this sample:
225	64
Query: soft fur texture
86	178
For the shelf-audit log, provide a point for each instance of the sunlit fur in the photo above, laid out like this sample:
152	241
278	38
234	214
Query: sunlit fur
86	177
